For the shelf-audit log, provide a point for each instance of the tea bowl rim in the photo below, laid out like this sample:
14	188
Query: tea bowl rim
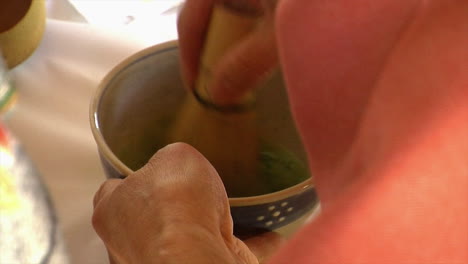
118	165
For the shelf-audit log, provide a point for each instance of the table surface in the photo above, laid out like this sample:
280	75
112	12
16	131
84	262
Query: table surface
55	86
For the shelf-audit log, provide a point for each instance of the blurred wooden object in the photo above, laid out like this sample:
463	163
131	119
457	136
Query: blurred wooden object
22	24
226	136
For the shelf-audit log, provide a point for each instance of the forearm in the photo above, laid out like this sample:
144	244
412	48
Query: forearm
396	192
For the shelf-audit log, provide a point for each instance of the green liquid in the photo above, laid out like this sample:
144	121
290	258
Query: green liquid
280	169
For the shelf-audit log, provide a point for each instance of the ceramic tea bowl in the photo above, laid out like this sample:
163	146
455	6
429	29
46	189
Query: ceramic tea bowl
136	102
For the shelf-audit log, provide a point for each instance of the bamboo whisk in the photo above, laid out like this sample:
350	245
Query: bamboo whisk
228	138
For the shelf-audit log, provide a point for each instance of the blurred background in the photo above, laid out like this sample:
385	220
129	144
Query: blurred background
83	40
146	20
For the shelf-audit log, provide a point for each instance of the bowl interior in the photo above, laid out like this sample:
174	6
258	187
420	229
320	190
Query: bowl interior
140	99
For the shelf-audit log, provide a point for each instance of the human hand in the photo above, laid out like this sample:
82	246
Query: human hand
173	210
245	65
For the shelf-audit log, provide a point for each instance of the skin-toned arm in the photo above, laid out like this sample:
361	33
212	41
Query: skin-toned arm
379	90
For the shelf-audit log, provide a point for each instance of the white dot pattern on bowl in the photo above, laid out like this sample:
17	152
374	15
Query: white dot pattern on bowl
275	214
263	217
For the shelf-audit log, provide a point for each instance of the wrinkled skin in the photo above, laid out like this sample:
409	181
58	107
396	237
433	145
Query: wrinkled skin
174	210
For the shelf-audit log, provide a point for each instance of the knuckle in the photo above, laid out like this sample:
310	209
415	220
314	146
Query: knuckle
181	147
97	221
105	190
98	195
180	150
173	159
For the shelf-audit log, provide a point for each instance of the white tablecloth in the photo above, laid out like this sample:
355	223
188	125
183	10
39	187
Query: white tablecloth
55	86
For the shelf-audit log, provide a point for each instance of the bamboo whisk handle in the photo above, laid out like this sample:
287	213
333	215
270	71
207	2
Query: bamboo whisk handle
230	22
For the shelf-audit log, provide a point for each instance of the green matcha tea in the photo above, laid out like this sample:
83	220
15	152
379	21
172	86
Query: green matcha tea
278	168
